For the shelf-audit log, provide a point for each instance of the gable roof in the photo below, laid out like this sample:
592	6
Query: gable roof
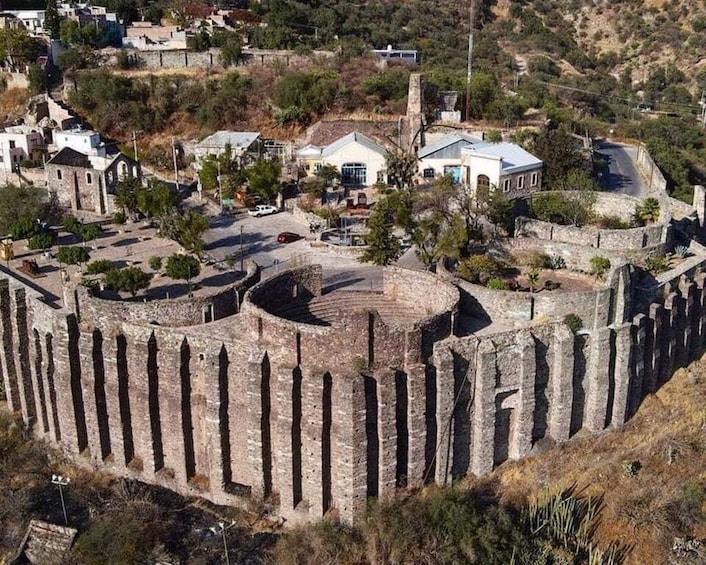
353	137
234	138
70	158
513	158
446	141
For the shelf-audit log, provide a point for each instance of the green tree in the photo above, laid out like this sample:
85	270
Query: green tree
18	48
567	208
190	229
37	79
25	201
599	266
74	255
126	195
89	232
329	173
383	246
560	153
155	262
401	168
231	49
263	179
41	241
23	227
52	19
100	266
71	34
183	267
128	279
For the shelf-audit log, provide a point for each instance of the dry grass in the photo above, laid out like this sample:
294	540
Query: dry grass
13	103
667	437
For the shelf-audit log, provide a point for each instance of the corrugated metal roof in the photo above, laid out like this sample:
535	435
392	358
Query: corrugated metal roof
234	138
353	137
445	141
514	158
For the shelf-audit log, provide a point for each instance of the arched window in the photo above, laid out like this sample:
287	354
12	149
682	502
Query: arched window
482	186
123	169
89	178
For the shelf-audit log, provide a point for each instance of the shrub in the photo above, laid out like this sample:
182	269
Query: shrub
574	322
657	264
99	266
599	266
480	267
23	227
72	255
631	468
537	260
612	223
566	209
72	225
184	267
129	279
497	284
119	218
41	241
155	262
557	262
647	211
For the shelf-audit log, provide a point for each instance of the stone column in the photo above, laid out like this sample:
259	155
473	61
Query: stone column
673	311
688	291
526	402
213	454
68	419
260	483
653	346
168	379
282	440
139	401
47	365
483	425
598	380
562	383
348	453
639	330
22	361
112	395
444	363
312	441
7	351
416	424
622	374
698	321
88	383
387	432
39	364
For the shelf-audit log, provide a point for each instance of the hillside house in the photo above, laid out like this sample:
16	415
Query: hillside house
21	143
443	157
504	166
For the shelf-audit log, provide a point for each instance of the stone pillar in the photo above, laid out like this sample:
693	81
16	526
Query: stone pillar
39	364
348	455
68	419
639	332
699	203
49	395
282	440
673	311
213	453
7	352
444	363
168	385
112	394
88	383
623	374
698	319
387	432
598	380
688	292
312	441
653	346
483	425
260	486
139	402
416	424
22	362
562	384
525	409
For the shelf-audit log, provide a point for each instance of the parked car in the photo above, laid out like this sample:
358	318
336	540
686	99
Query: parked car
288	237
262	210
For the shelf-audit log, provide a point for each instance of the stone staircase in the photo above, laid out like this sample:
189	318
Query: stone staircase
325	310
45	544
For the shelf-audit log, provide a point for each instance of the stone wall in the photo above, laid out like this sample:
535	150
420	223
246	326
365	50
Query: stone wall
322	417
183	59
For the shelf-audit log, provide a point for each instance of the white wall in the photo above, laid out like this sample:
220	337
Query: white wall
25	144
84	142
482	165
438	165
357	153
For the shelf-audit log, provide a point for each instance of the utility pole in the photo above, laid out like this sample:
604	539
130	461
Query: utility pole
61	482
134	144
242	270
176	169
221	528
470	59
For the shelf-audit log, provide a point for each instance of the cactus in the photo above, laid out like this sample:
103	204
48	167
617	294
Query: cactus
557	262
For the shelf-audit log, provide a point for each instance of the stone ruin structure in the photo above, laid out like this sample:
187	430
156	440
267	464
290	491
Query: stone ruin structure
317	399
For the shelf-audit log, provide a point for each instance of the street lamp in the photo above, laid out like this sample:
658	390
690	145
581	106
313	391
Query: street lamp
60	481
221	528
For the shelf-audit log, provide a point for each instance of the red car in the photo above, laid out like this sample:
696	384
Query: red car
288	237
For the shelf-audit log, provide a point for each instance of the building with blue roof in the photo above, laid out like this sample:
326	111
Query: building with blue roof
507	167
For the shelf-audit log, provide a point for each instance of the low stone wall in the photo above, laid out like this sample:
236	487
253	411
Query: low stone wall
176	312
576	257
643	238
420	288
184	59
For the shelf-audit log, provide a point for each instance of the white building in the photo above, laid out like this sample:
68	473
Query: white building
443	157
84	141
146	36
503	166
33	20
358	158
20	143
240	143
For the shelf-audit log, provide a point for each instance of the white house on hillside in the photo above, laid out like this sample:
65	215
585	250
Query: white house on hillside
20	143
240	143
443	157
358	158
505	166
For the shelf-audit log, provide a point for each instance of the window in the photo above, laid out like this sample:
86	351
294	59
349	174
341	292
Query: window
381	176
58	174
12	144
520	182
317	167
428	173
534	179
506	185
354	174
89	178
123	169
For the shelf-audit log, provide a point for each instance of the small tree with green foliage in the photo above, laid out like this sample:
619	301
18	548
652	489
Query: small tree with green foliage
183	267
74	255
155	262
23	228
401	167
263	179
89	232
41	241
574	322
647	211
190	229
72	225
99	267
129	279
383	246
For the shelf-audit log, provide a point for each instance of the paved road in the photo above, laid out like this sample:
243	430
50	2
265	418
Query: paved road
259	244
623	175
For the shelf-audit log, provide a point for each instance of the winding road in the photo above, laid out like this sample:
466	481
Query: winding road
623	175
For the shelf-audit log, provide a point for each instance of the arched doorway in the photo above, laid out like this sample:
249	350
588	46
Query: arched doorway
482	187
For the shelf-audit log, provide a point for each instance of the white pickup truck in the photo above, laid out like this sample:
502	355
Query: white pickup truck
262	210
